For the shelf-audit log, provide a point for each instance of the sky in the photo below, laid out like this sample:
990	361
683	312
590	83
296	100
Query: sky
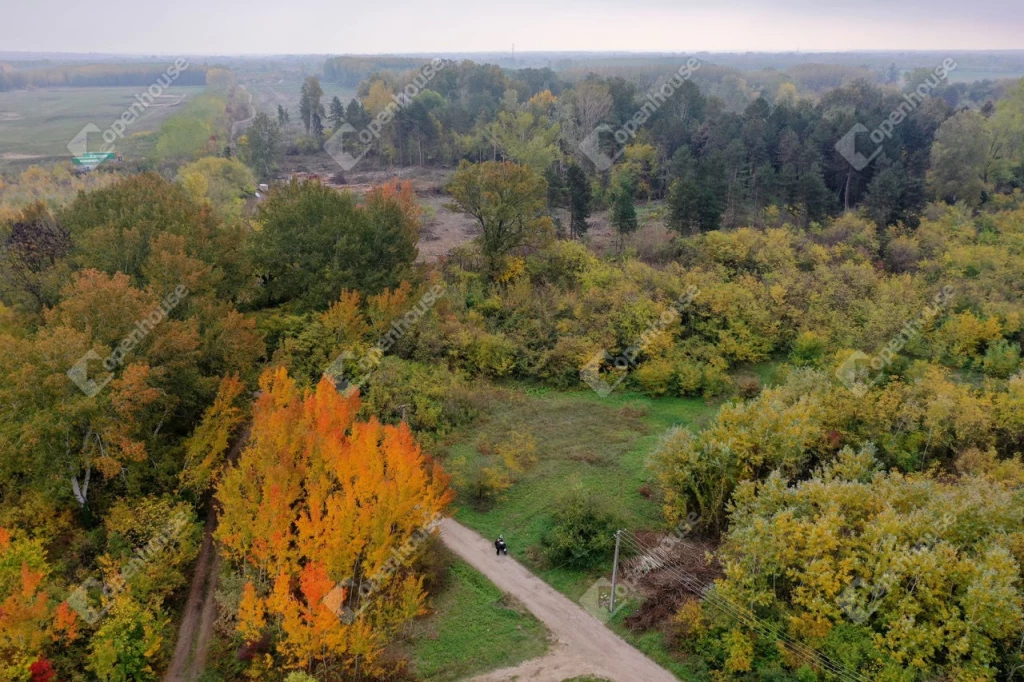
226	27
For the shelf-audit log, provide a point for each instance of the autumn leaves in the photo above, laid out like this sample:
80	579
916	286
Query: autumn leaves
320	501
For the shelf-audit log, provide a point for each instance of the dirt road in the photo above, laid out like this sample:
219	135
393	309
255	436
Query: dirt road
584	647
196	630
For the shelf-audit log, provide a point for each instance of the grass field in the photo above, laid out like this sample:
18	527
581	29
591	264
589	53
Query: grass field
40	123
473	629
601	444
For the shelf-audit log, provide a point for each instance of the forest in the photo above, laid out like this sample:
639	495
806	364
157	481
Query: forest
713	333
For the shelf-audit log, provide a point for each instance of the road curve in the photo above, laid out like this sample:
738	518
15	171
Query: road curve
584	645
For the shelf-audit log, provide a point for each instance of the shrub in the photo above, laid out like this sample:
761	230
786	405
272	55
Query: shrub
808	348
582	531
748	386
655	376
494	355
716	381
690	378
1002	359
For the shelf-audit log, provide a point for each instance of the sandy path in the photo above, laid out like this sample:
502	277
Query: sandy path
584	645
196	629
204	583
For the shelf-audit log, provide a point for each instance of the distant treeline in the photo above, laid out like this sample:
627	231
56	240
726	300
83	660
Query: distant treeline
734	150
96	75
352	70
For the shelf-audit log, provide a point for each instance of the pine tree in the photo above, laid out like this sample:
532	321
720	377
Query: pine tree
623	211
337	114
578	188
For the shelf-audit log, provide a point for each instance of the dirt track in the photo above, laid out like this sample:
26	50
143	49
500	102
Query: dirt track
196	630
584	647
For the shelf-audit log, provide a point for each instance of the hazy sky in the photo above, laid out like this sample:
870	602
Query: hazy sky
348	26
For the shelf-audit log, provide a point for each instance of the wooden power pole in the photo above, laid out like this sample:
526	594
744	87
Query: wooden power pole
615	572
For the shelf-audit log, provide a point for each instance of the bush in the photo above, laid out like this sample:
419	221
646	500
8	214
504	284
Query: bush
494	355
690	378
655	376
748	386
1002	359
808	348
433	400
300	677
716	381
582	531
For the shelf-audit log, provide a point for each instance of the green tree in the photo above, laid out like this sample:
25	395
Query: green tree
623	210
527	138
32	259
356	114
282	115
131	643
507	201
318	128
309	101
314	241
838	561
695	195
1006	162
578	187
261	146
959	159
222	183
337	113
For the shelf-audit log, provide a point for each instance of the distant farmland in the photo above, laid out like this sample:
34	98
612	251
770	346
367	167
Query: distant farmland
38	124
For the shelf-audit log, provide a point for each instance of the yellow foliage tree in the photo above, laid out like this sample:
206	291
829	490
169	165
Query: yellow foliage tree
326	514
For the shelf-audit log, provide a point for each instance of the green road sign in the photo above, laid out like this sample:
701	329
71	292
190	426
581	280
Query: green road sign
92	158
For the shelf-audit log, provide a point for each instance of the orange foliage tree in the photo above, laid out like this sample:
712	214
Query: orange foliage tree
29	618
325	516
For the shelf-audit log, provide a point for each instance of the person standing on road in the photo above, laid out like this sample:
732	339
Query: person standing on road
500	546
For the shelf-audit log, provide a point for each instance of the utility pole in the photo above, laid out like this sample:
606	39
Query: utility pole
615	572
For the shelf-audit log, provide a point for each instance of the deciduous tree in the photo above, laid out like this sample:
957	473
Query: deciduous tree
507	201
326	514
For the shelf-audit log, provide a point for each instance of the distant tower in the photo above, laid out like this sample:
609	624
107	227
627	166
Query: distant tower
513	53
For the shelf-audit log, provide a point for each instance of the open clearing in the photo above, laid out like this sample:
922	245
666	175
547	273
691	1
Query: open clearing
600	444
604	446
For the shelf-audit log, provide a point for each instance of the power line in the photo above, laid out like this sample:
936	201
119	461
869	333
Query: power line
750	620
697	586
